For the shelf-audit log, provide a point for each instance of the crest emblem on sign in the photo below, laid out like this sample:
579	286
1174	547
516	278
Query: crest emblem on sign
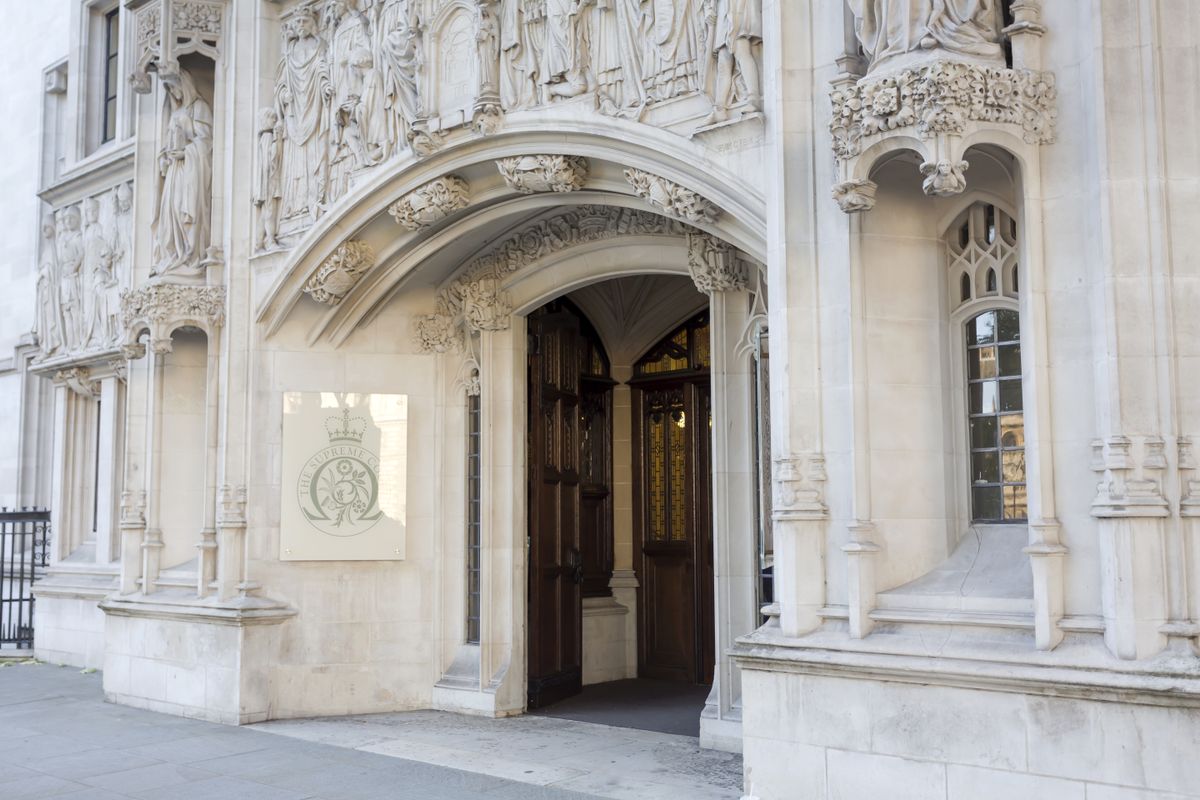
338	487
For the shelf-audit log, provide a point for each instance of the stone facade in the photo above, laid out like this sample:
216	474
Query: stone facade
940	245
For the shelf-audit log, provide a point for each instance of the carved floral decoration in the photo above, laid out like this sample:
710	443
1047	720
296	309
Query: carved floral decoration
431	203
715	265
338	274
544	173
671	198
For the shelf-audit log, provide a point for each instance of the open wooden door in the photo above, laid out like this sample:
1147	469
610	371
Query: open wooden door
570	521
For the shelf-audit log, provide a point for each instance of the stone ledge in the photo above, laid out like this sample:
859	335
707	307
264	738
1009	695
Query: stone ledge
241	612
1083	673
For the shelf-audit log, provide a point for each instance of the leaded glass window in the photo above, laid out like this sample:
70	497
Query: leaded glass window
996	419
474	515
112	77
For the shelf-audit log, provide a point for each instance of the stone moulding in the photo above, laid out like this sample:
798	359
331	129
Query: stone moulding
671	198
431	203
942	98
338	274
163	307
544	173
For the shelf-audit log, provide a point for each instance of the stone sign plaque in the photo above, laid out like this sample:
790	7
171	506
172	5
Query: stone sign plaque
345	471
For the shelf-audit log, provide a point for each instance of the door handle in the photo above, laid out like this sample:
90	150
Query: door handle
575	565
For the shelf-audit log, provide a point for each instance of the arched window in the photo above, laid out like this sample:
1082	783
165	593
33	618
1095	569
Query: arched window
983	255
995	417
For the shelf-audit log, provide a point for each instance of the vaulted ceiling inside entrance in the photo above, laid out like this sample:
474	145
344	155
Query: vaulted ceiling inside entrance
634	312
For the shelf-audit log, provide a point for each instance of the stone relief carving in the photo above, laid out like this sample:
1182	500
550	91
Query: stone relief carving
437	333
363	81
84	260
337	274
544	173
485	306
799	487
715	265
182	225
671	198
890	30
1130	473
944	178
563	230
430	203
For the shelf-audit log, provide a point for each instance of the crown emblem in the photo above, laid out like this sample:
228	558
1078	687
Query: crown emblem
345	428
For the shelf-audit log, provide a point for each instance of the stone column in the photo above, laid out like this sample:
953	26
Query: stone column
503	559
800	518
108	463
206	572
152	541
720	272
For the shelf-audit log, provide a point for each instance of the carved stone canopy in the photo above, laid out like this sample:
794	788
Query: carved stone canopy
671	198
167	29
338	274
544	173
162	308
431	203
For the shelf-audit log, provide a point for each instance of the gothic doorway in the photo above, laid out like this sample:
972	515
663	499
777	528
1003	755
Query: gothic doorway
672	427
570	493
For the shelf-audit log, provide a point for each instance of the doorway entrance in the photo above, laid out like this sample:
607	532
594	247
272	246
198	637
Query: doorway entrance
665	416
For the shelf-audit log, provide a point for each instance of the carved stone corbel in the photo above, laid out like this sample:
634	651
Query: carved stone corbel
338	273
855	195
672	199
715	265
544	173
944	178
78	380
431	203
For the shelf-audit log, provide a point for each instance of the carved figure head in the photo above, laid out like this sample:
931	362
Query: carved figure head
305	23
48	225
70	218
124	195
91	210
267	119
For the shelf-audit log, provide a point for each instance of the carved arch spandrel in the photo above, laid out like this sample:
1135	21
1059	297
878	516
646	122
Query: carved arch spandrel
742	220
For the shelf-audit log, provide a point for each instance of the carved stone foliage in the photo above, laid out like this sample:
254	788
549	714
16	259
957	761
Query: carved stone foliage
363	81
163	307
942	98
84	261
716	266
183	222
671	198
437	333
430	203
567	229
544	173
337	274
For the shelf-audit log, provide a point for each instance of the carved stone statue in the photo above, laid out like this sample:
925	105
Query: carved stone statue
182	225
96	275
735	30
69	252
672	57
487	44
123	230
266	179
522	42
890	29
566	68
357	102
302	95
48	323
400	57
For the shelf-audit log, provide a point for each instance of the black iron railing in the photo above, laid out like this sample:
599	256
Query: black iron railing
24	550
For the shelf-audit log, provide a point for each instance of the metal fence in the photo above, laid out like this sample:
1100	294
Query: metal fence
24	550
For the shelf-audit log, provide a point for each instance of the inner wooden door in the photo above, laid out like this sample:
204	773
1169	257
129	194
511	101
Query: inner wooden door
672	480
